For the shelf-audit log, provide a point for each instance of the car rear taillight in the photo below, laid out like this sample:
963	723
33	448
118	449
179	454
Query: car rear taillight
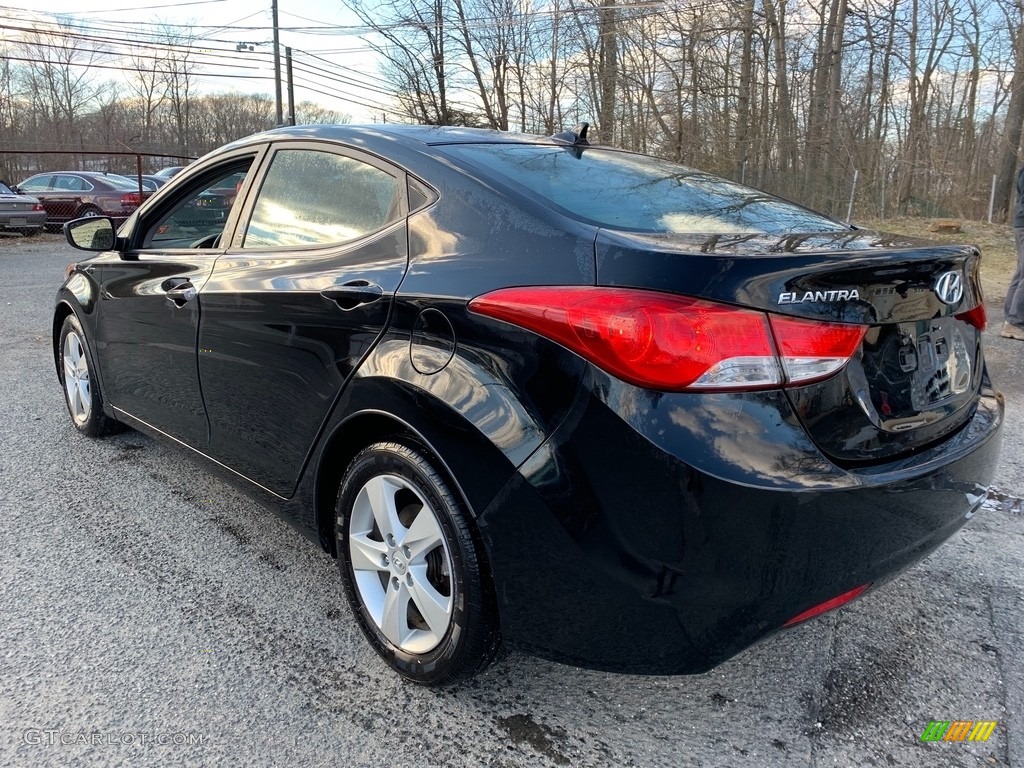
812	350
675	343
131	198
38	207
976	317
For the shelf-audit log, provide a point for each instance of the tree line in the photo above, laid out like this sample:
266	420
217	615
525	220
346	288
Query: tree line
886	106
57	95
920	101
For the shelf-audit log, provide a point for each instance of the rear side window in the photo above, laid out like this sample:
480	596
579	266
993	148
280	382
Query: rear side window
72	184
620	190
311	197
122	182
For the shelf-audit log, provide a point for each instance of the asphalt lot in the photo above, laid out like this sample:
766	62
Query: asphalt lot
151	615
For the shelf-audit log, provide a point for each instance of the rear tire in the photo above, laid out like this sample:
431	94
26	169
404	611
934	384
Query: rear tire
82	394
413	568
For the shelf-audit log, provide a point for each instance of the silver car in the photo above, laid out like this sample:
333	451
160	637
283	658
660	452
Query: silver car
20	213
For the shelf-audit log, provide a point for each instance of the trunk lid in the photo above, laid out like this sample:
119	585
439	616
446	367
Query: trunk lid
915	378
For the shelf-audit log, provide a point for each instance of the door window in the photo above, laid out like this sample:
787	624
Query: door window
311	197
67	183
197	219
36	184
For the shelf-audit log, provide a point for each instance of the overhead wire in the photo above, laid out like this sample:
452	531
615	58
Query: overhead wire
161	6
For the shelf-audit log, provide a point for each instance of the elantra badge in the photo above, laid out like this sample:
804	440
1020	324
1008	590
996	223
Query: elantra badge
791	297
950	287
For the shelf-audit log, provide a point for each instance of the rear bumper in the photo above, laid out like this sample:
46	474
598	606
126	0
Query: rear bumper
22	220
668	539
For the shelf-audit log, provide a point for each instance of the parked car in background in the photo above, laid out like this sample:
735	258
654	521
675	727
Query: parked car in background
68	195
153	182
170	172
20	213
611	410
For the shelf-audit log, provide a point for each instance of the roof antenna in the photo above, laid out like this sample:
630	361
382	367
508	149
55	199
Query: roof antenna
577	138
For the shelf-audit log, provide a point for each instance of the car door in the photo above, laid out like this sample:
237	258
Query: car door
38	186
68	196
297	301
150	307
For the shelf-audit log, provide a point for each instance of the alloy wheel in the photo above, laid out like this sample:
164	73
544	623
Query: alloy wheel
401	564
77	385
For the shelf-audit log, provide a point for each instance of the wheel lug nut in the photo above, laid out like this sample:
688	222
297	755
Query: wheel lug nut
408	579
385	561
407	552
394	582
391	540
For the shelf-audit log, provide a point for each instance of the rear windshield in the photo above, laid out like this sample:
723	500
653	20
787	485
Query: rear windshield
120	182
620	190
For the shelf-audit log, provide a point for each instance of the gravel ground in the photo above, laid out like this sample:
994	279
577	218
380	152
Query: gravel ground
151	615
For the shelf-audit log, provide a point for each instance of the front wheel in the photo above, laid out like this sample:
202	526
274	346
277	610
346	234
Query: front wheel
413	568
81	389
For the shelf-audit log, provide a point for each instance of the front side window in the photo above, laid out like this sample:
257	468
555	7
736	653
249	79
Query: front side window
311	197
620	190
36	184
197	220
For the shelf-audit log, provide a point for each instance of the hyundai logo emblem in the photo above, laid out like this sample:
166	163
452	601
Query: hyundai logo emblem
950	287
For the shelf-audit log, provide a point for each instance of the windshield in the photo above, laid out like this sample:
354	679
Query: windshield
626	191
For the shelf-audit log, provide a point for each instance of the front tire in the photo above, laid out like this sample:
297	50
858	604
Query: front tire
81	388
412	566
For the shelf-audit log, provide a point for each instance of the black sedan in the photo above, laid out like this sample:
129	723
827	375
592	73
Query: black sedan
530	391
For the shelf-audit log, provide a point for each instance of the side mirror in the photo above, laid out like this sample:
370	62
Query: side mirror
95	233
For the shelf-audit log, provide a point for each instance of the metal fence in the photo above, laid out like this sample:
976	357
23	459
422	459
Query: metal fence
71	185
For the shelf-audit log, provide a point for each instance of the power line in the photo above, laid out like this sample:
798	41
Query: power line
311	86
161	6
93	65
141	51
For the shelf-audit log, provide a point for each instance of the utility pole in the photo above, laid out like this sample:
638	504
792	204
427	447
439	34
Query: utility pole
278	112
291	85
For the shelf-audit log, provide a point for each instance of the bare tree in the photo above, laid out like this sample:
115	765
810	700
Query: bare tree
178	66
1009	148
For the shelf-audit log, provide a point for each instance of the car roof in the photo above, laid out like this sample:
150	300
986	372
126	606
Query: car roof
382	135
85	174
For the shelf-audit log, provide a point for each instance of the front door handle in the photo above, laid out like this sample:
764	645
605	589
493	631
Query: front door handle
353	294
179	291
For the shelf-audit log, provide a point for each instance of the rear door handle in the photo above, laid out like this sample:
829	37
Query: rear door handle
353	294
